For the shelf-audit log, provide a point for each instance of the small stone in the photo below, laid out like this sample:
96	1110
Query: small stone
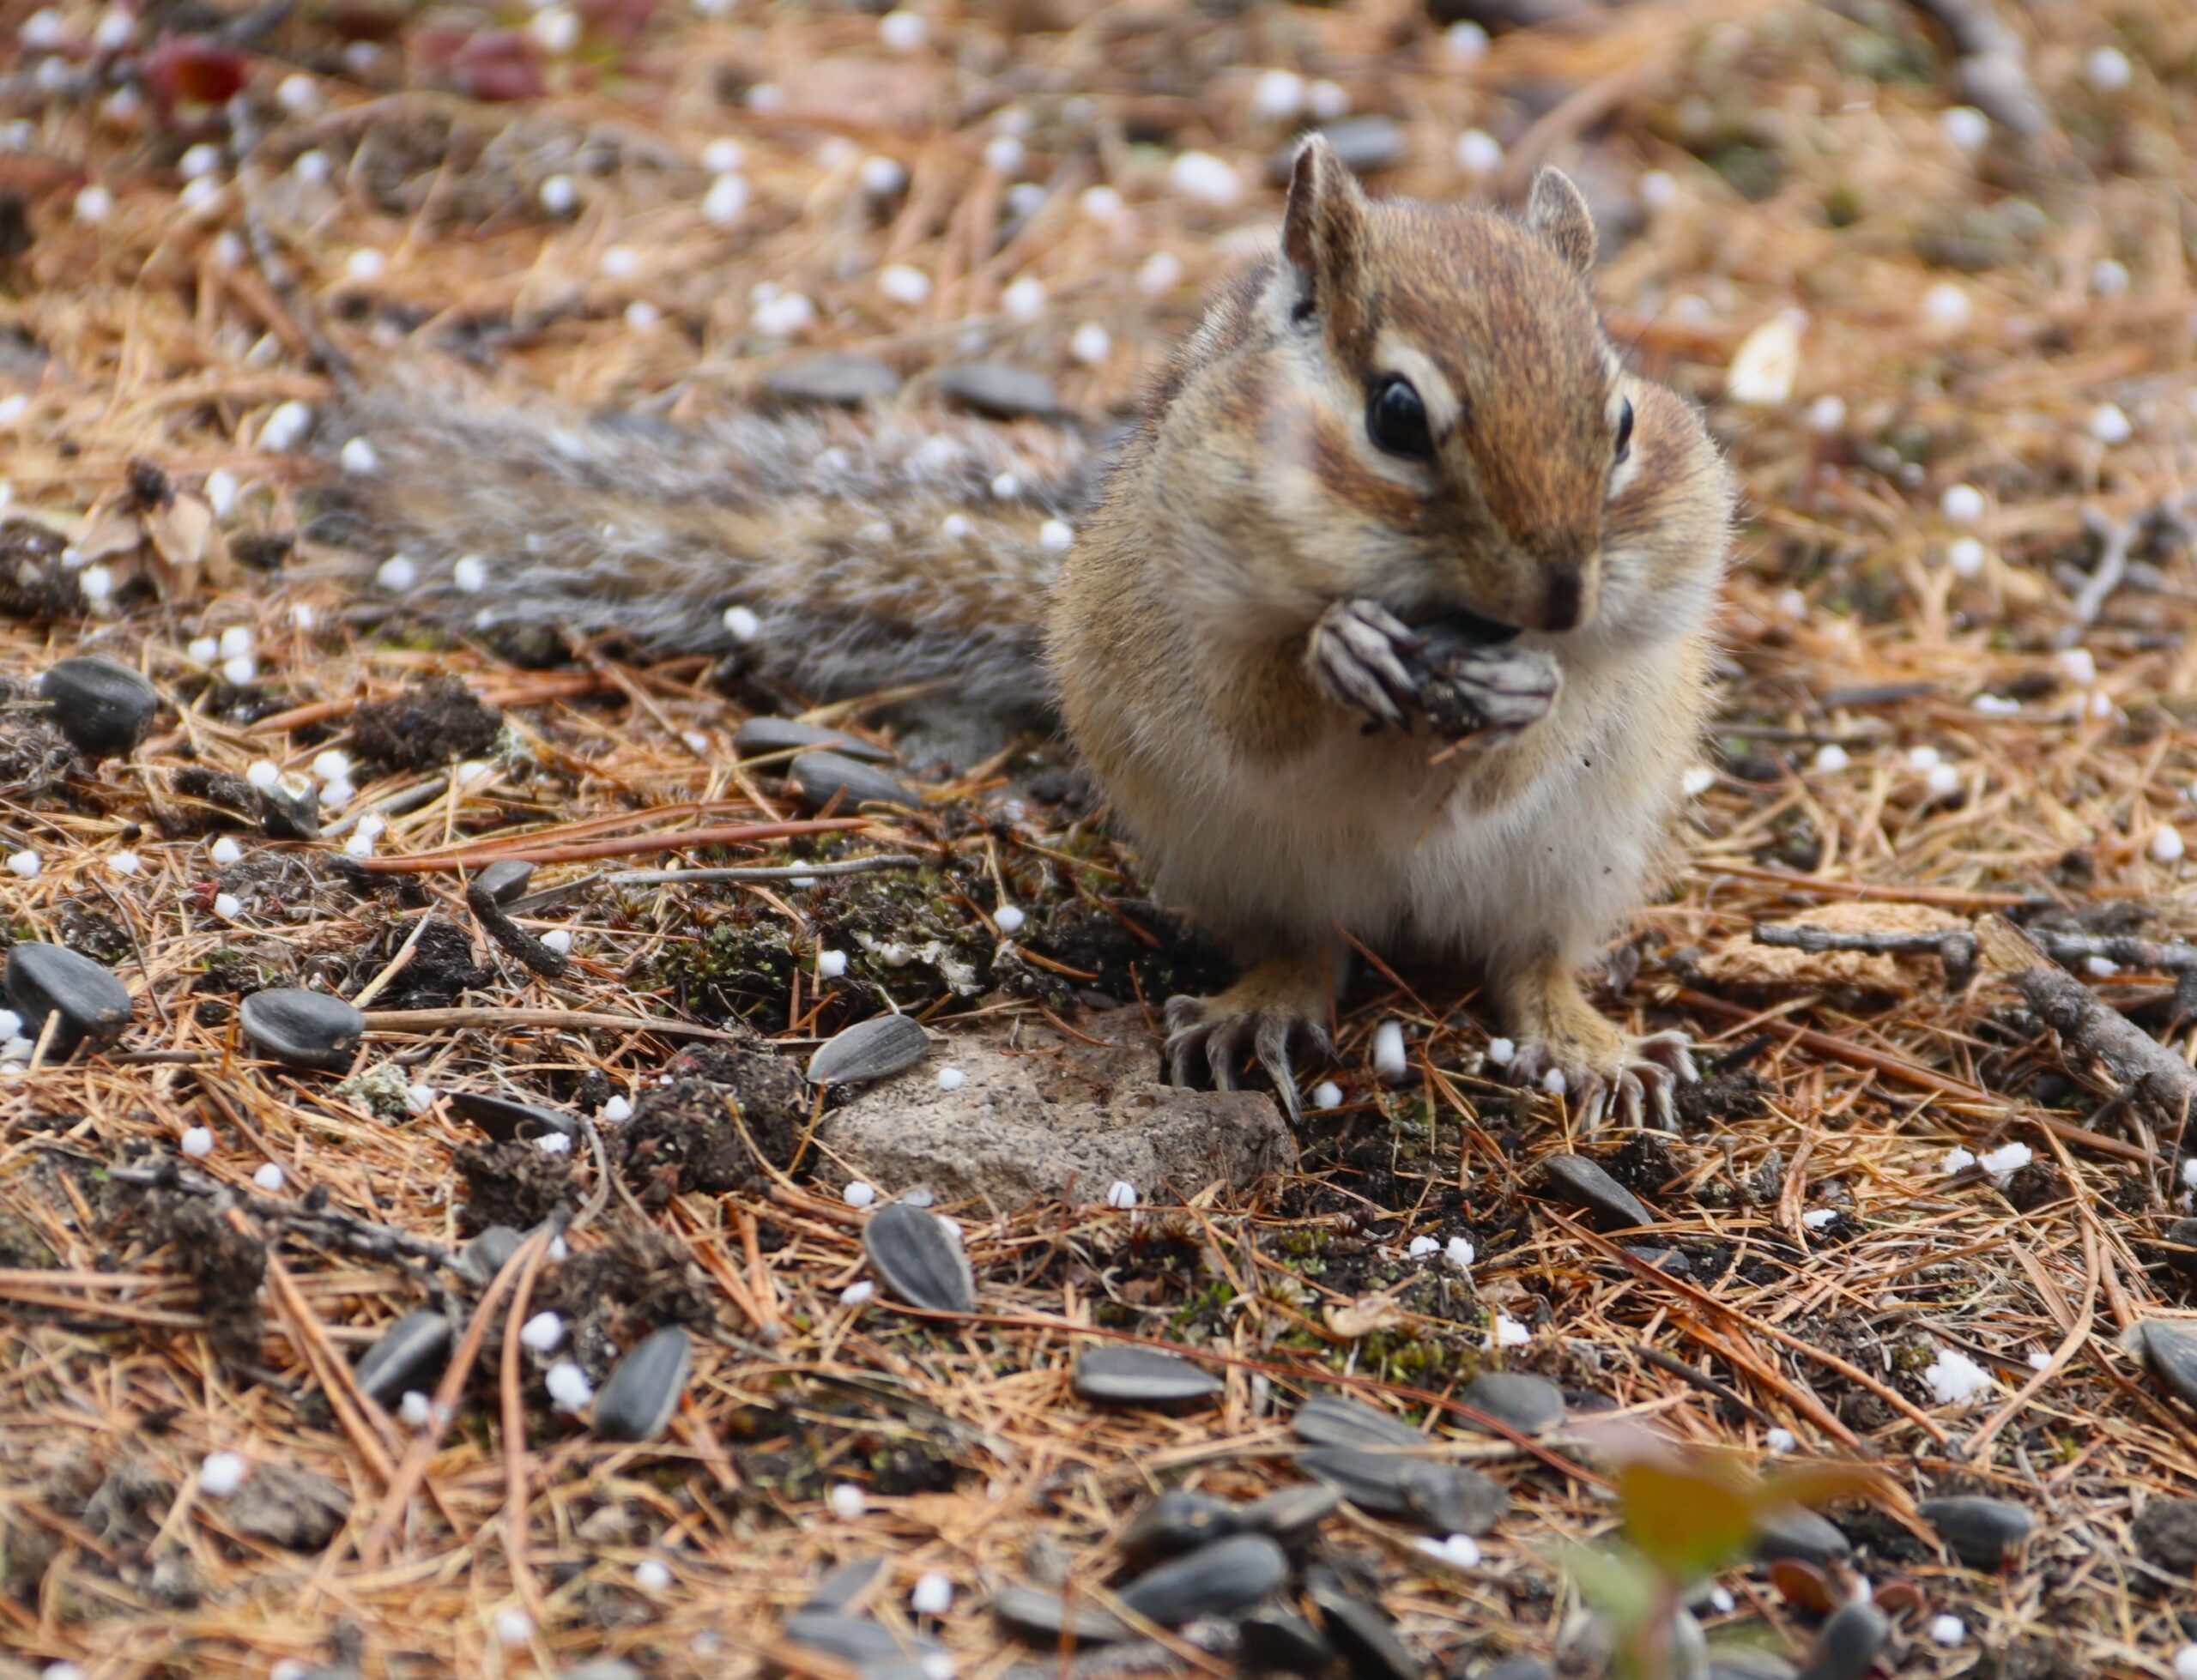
998	389
638	1401
103	708
1530	1404
1214	1580
873	1049
1981	1532
409	1353
49	980
1581	1183
844	785
918	1260
834	378
1120	1375
302	1028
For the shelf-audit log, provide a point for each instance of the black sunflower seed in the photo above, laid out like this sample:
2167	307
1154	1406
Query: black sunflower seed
304	1028
1581	1183
105	708
1281	1642
1981	1532
1291	1515
638	1401
52	980
1044	1617
856	1640
1213	1581
873	1049
1367	1638
2171	1348
759	736
409	1353
827	778
481	1259
1124	1375
505	1118
845	1585
1336	1420
1441	1498
1530	1404
1801	1535
504	881
1177	1521
918	1260
1848	1646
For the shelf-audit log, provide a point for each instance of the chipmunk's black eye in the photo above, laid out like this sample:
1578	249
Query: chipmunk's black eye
1624	431
1396	419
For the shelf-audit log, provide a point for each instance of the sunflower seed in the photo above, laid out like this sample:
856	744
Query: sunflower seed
919	1260
289	811
642	1393
1366	1636
873	1049
304	1028
762	736
1800	1535
1283	1642
846	1586
1978	1530
1177	1521
833	377
2171	1348
997	389
105	708
48	980
1213	1581
832	779
1850	1643
1291	1515
487	1254
504	881
856	1640
410	1352
1336	1420
1124	1375
505	1118
1520	1667
1442	1498
1044	1617
1530	1404
1578	1182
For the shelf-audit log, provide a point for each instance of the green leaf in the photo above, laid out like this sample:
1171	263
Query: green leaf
1686	1516
1619	1583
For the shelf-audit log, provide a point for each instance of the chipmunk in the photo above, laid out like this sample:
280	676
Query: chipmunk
1403	441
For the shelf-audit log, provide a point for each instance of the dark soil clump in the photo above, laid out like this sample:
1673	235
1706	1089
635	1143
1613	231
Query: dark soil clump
438	721
687	1135
510	1184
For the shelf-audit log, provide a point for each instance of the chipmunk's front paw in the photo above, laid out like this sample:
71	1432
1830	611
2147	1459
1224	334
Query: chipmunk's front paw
1632	1081
1360	658
1270	1010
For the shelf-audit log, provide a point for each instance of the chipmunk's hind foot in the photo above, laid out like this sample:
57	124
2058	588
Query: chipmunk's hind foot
1275	1007
1608	1075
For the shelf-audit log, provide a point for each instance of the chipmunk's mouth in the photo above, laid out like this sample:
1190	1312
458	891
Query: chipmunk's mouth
1462	624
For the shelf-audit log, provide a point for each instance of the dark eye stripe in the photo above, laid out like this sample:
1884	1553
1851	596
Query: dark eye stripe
1624	431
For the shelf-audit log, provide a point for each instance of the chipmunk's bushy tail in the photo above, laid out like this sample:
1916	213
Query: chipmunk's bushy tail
871	552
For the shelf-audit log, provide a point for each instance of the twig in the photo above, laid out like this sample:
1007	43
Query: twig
437	1021
795	872
1955	946
471	857
2146	1067
336	1229
496	921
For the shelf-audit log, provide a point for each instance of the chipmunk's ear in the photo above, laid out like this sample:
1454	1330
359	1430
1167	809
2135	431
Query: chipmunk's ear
1558	211
1323	228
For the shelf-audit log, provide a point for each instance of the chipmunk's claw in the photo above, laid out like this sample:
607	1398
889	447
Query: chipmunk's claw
1636	1087
1218	1030
1356	659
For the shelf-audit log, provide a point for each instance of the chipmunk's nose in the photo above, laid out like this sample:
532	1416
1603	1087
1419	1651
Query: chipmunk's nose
1564	605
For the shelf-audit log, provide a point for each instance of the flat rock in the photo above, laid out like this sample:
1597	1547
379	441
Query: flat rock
831	377
1049	1116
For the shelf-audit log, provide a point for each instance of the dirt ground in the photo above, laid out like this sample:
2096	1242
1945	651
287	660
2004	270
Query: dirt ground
1931	283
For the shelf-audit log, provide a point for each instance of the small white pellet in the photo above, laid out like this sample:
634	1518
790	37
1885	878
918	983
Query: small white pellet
933	1595
334	795
1055	536
1390	1061
856	1295
93	205
642	316
286	427
11	1025
1947	1630
1004	153
2004	1161
741	624
221	1474
2039	1361
2108	278
904	283
1100	202
1500	1051
881	177
1120	1193
617	1110
1659	188
1090	343
1327	1095
1827	415
415	1409
784	314
558	194
1943	780
1009	918
1780	1441
559	939
847	1500
240	670
1923	758
830	964
1966	127
724	156
299	94
2101	967
1421	1247
1698	779
2185	1663
1954	1378
1946	305
1830	758
366	263
514	1627
1005	487
332	765
468	573
2108	69
123	863
358	844
227	906
1996	705
263	773
1478	152
902	30
1460	1253
1965	555
419	1098
567	1384
726	200
1509	1332
198	1142
558	30
397	572
1328	99
2109	424
652	1575
1962	503
951	1079
1024	299
1161	272
1465	41
954	526
1206	177
2167	845
1278	95
1958	1160
619	263
269	1177
1555	1083
1817	1218
858	1195
542	1332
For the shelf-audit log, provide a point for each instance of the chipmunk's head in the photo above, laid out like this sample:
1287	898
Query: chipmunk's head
1462	397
